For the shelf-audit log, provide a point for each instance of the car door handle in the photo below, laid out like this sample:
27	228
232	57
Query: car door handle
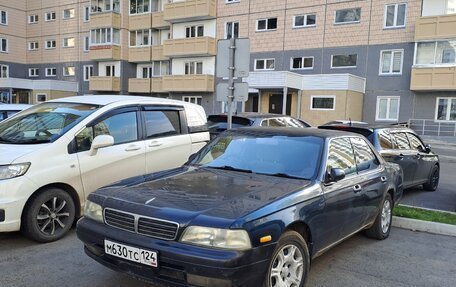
132	148
383	179
155	144
357	188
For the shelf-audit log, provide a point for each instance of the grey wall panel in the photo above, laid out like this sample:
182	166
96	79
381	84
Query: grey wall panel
370	104
15	70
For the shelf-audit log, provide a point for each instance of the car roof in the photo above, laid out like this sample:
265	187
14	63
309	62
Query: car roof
14	107
290	132
252	115
109	99
365	130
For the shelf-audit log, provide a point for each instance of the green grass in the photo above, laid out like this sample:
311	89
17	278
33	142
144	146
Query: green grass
426	215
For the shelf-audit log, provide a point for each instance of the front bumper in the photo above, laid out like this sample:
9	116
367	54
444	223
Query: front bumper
178	264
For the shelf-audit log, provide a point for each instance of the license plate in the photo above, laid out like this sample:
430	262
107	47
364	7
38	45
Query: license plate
146	257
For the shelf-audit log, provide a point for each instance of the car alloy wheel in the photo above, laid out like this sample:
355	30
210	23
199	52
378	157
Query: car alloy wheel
53	215
386	216
435	178
287	267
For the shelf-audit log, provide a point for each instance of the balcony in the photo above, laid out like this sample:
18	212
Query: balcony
105	19
158	21
138	22
157	53
188	83
190	10
139	85
201	46
107	84
139	54
157	85
433	79
105	53
435	27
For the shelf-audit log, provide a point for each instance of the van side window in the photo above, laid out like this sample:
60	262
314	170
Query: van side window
265	123
415	142
365	158
401	141
277	122
162	123
341	156
384	139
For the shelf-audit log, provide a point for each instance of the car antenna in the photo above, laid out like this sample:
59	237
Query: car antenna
350	120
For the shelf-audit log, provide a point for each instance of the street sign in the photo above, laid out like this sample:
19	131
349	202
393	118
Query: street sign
240	92
241	58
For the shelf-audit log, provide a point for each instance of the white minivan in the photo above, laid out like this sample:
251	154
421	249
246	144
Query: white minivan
54	154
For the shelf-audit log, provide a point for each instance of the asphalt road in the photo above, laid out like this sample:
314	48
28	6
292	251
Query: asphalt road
405	259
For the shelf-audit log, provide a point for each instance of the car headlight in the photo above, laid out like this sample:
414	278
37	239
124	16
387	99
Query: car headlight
215	237
13	170
93	211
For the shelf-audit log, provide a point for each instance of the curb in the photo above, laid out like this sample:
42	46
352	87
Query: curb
425	208
424	226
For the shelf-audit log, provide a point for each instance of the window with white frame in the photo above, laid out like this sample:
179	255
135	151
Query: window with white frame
445	109
438	53
139	6
51	44
264	64
86	44
231	30
344	61
194	31
33	72
33	46
193	99
49	16
33	19
302	63
68	42
307	20
88	72
3	45
41	98
347	16
4	71
391	62
104	36
51	72
140	38
326	103
68	13
110	70
232	1
266	24
395	15
69	71
86	14
193	68
99	6
155	69
3	17
387	108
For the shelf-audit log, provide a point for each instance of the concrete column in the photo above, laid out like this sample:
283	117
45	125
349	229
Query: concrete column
298	108
284	108
259	101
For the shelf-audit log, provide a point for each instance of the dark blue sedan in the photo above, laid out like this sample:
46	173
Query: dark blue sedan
252	208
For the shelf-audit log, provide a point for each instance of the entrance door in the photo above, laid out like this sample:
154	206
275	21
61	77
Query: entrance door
276	104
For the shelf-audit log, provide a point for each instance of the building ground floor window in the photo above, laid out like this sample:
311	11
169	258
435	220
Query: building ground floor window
193	99
387	108
445	109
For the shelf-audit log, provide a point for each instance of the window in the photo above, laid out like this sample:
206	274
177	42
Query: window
33	19
86	44
139	6
266	24
384	139
162	123
51	44
395	15
104	36
140	38
68	13
69	71
303	63
277	122
446	109
323	103
347	16
192	68
86	14
110	71
3	45
300	21
49	16
194	31
231	30
344	61
401	140
341	156
439	53
387	109
232	1
88	72
193	99
68	42
391	62
41	98
33	46
264	64
365	158
157	69
34	72
51	72
4	71
415	142
3	17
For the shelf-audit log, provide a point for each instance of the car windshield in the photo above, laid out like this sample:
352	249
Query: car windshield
43	123
283	156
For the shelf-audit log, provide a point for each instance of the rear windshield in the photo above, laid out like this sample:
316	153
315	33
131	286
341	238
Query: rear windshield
219	123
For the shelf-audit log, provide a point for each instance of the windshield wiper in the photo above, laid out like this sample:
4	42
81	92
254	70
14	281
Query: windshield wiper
284	175
227	167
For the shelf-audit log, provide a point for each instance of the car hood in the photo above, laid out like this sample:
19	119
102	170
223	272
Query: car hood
9	152
199	196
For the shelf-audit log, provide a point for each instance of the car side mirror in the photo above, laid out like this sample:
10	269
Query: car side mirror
101	141
427	148
191	158
336	174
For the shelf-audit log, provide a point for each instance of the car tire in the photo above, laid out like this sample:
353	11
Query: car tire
49	215
382	225
285	269
434	178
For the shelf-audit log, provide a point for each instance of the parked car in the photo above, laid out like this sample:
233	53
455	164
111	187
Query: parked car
7	110
345	122
254	206
403	146
218	123
56	153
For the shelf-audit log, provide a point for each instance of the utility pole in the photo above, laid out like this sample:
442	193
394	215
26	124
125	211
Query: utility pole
231	68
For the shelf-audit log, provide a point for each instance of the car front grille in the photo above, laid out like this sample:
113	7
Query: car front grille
148	226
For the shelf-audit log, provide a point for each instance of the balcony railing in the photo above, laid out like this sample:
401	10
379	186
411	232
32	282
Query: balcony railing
107	84
200	46
188	83
144	86
435	27
433	79
157	85
190	10
105	52
146	54
105	19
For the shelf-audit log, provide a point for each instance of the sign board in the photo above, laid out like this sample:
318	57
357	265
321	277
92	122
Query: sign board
241	58
241	92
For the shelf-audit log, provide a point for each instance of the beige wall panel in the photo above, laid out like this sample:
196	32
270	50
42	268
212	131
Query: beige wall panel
243	25
294	104
69	25
19	5
16	49
318	117
143	21
83	56
304	38
124	44
264	102
304	3
354	106
16	22
69	54
239	8
266	5
34	29
266	40
51	94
